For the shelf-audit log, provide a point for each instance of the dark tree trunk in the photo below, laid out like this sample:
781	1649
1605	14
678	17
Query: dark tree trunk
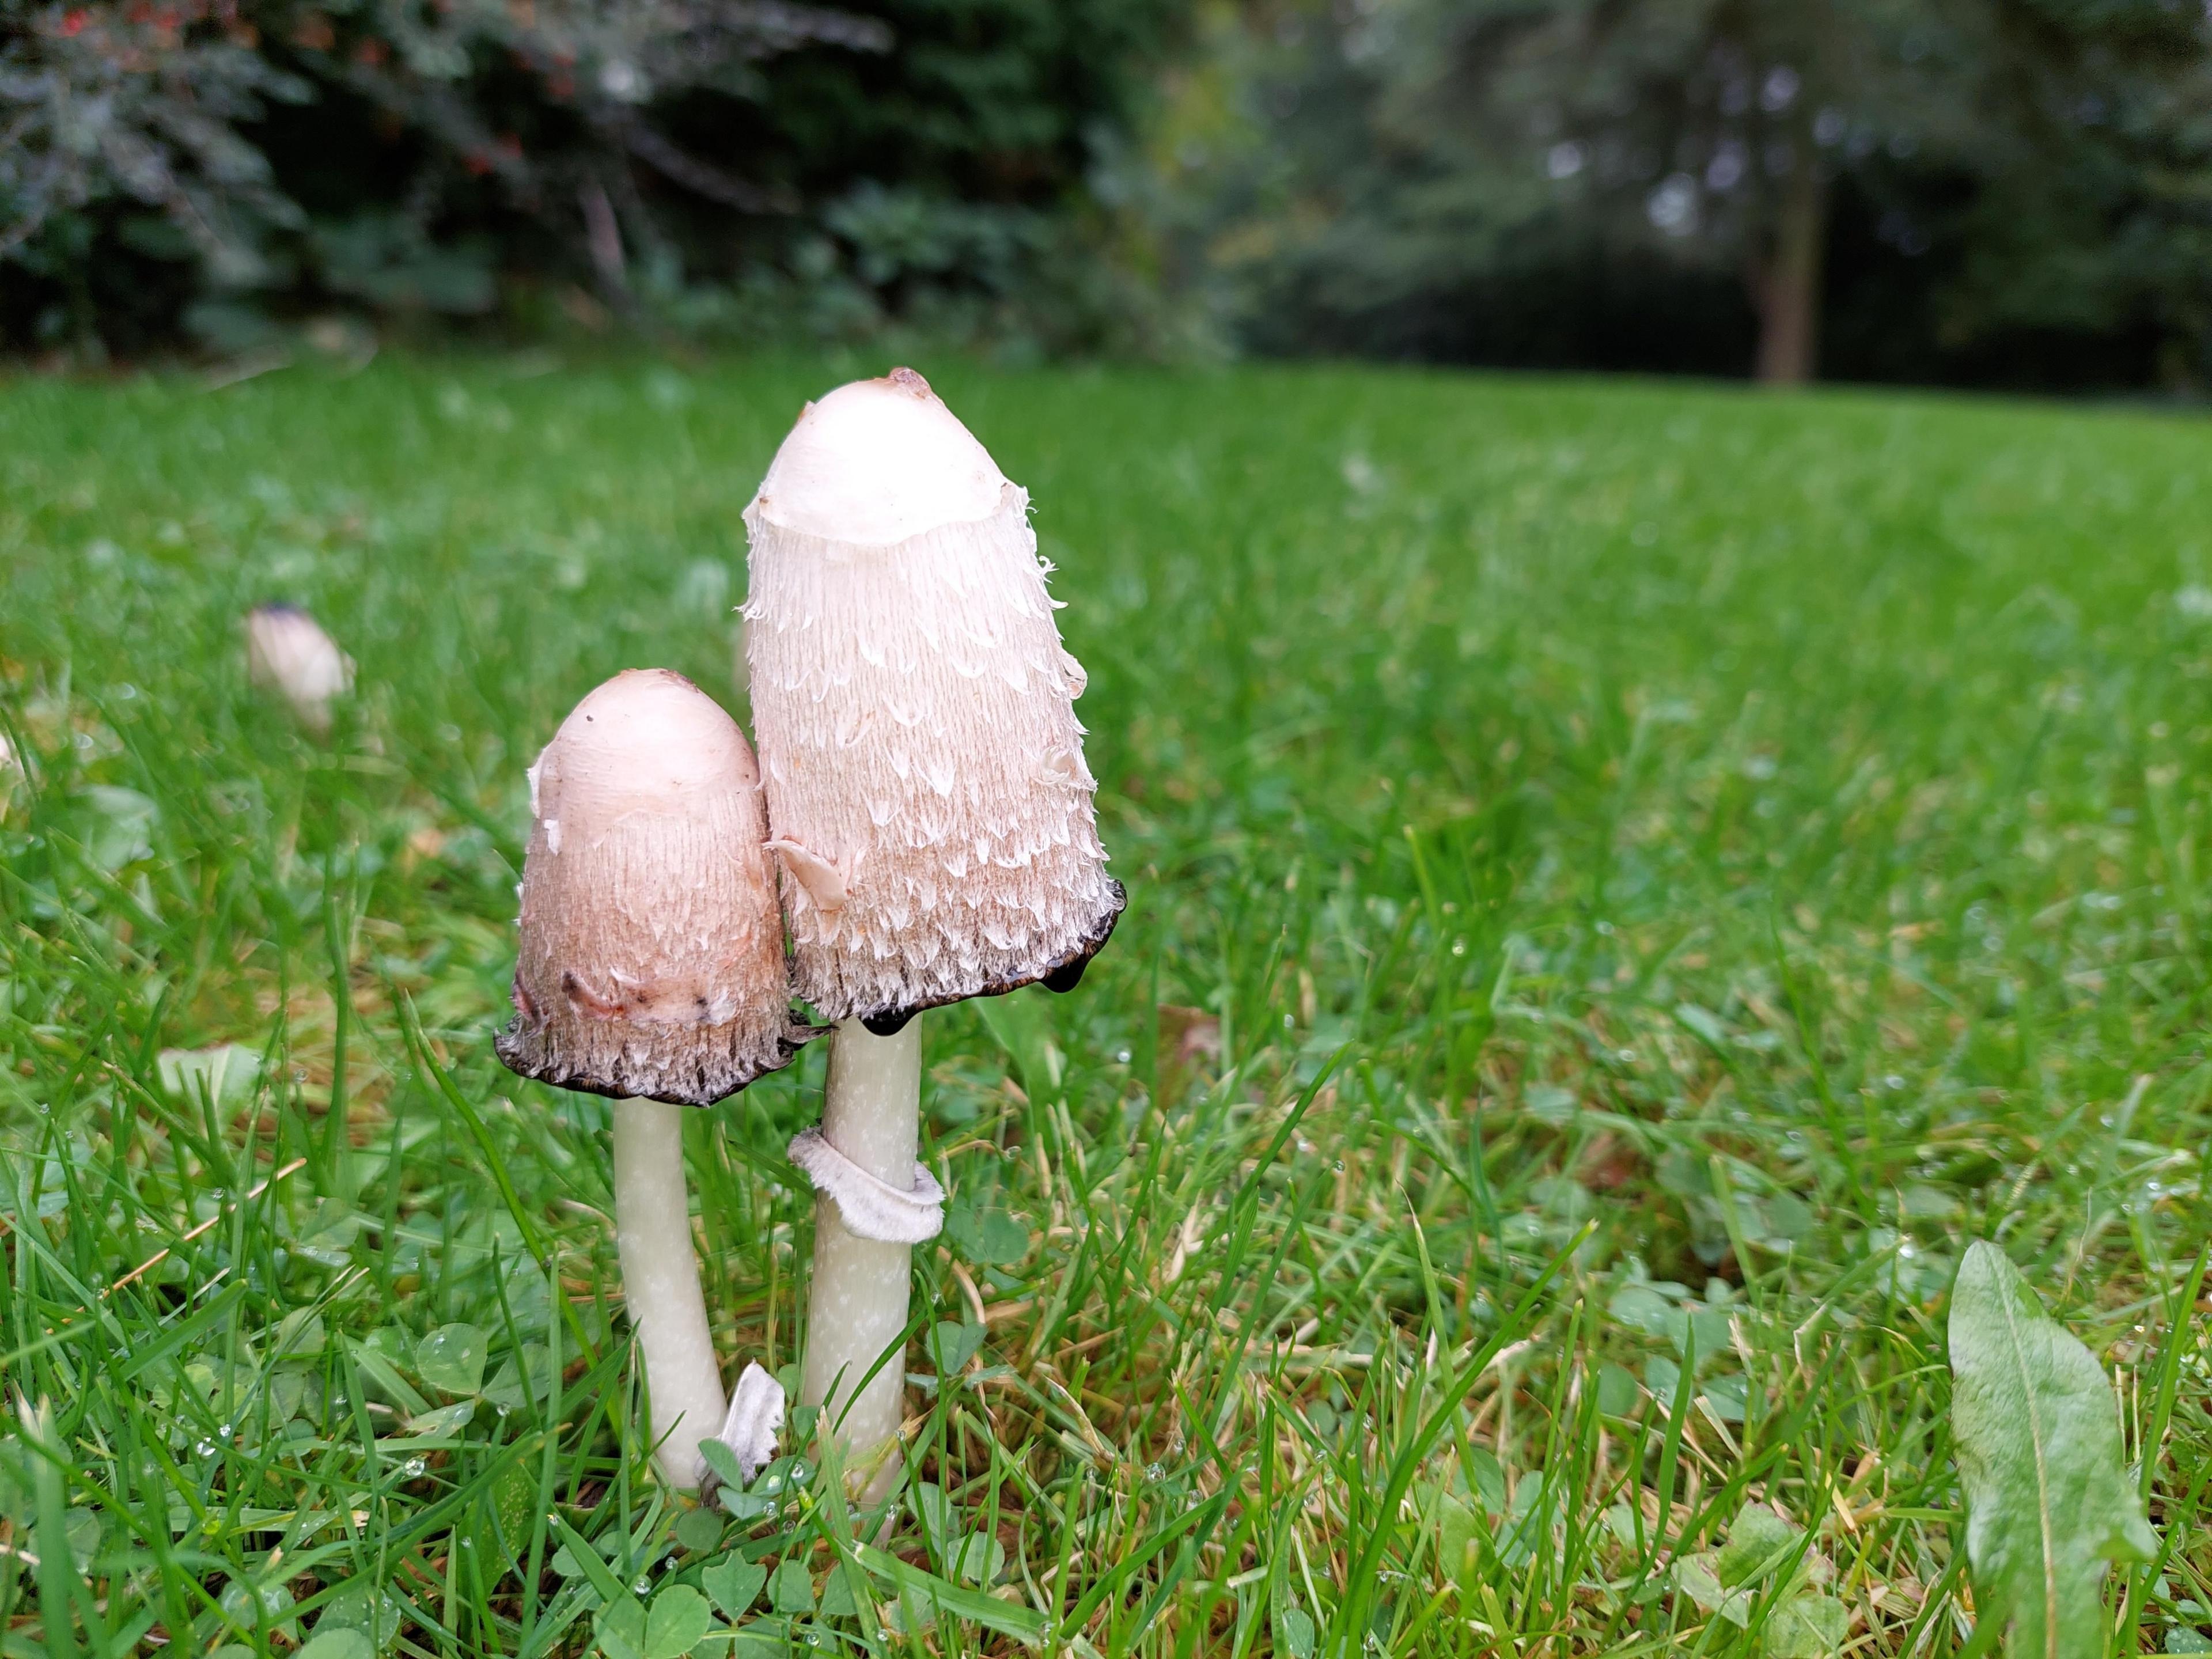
1787	284
603	234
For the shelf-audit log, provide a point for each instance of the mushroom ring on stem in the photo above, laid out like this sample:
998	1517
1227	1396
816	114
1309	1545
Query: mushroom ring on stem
928	798
652	969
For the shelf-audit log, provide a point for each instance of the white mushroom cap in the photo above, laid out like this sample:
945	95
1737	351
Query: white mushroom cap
651	960
923	764
287	651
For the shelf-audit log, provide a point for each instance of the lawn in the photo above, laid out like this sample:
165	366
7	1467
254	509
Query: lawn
1625	883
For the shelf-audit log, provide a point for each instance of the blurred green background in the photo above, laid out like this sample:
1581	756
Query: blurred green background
1988	192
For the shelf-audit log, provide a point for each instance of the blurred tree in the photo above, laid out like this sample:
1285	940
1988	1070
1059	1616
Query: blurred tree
1438	145
231	165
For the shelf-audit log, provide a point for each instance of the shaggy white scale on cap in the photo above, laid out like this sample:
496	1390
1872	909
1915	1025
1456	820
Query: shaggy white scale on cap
652	961
924	766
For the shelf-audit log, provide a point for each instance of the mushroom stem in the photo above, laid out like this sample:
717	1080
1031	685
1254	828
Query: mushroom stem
660	1283
857	1308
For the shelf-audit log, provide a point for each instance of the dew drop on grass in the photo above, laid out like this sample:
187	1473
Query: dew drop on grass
1121	1057
413	1467
641	1585
205	1448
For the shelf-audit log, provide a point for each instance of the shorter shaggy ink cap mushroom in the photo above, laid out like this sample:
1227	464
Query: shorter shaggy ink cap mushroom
652	962
928	797
652	969
288	653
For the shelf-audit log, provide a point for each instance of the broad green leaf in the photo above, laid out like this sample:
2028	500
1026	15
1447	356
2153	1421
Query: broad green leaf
1698	1577
1809	1627
790	1590
298	1333
526	1374
2048	1500
445	1420
1759	1541
1023	1024
361	1605
276	1598
339	1642
1726	1397
746	1506
223	1074
1487	1476
978	1559
935	1511
1295	1631
81	1529
719	1457
699	1530
1457	1532
764	1638
837	1600
989	1237
506	1520
451	1358
374	1356
620	1630
677	1622
594	1566
735	1585
1616	1393
952	1345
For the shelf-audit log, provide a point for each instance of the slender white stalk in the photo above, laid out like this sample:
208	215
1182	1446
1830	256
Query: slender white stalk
661	1284
857	1308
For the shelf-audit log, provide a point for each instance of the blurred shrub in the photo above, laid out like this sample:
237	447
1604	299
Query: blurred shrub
235	170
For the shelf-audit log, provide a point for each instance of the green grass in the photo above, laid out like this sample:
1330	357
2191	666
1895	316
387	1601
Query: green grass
1737	850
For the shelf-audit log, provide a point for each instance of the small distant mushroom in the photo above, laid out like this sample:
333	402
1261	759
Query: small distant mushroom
288	653
928	798
652	969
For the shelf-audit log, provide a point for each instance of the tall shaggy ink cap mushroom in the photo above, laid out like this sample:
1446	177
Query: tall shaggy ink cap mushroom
928	798
914	710
652	969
